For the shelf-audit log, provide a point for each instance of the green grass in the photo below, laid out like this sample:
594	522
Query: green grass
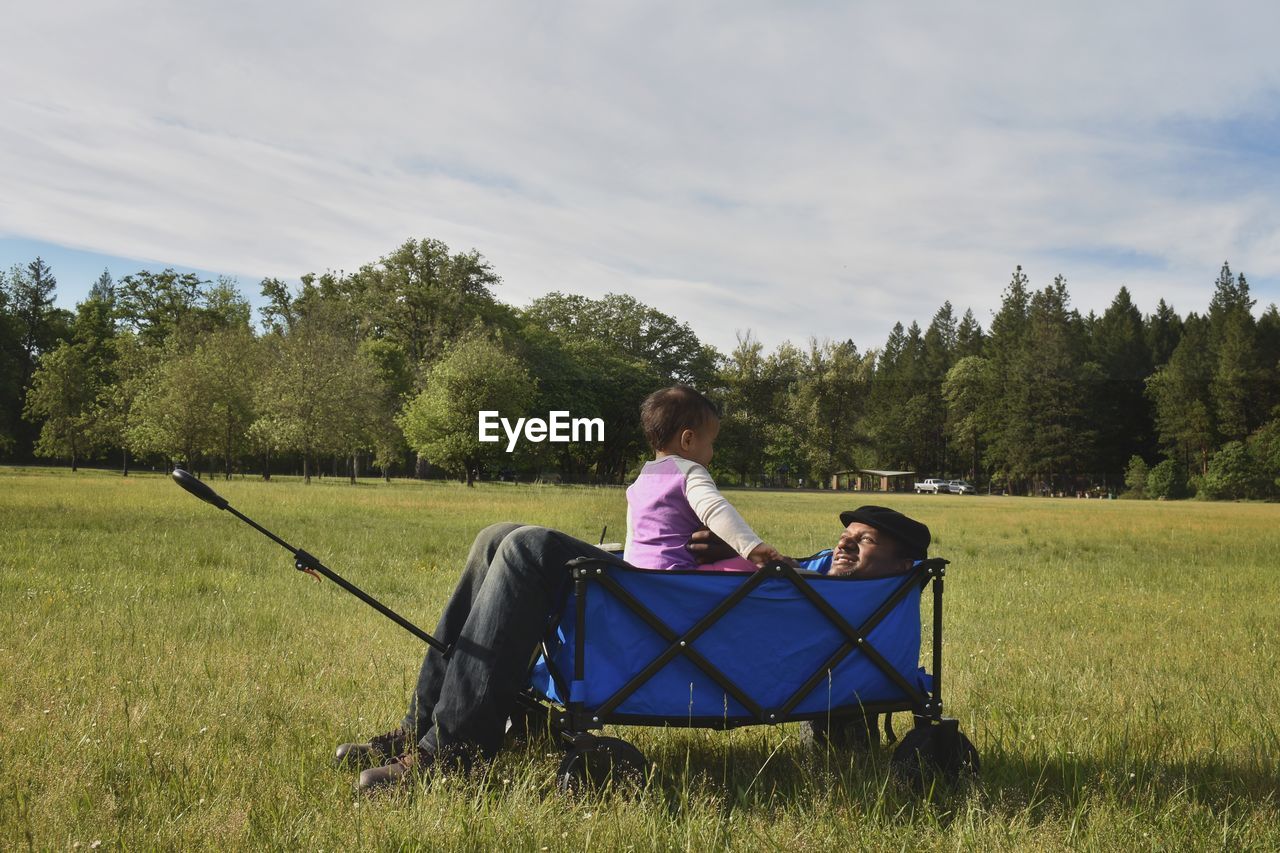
167	681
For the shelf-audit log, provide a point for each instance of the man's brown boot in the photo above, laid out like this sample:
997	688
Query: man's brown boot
400	772
378	750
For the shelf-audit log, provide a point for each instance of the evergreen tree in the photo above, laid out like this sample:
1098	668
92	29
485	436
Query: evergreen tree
10	371
1008	431
969	336
1009	325
39	328
938	353
1234	385
32	298
1234	358
1231	299
1045	399
1121	412
939	343
1162	331
892	352
1268	360
1180	392
899	420
104	289
1269	339
917	423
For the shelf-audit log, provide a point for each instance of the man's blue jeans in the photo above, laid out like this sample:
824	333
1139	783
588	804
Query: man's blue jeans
515	575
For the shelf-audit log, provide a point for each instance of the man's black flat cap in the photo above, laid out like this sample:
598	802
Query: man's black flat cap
911	533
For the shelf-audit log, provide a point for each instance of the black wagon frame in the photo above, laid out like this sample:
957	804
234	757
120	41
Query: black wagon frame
587	573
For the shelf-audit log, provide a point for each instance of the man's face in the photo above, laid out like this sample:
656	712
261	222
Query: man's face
868	553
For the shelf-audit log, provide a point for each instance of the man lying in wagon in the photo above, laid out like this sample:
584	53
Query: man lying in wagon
498	613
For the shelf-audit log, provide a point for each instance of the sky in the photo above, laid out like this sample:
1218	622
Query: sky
800	169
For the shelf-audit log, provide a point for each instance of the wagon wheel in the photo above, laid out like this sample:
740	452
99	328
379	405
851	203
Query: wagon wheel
595	762
934	750
529	722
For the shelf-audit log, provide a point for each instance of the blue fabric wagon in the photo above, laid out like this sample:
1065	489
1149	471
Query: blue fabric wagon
722	649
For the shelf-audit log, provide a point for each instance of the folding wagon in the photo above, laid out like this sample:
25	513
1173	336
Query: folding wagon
720	650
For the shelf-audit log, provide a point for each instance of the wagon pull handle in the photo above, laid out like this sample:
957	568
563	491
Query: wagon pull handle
303	561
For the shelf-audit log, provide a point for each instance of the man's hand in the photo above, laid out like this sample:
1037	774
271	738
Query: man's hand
707	547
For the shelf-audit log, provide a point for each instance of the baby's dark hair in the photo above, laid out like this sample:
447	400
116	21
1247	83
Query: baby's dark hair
665	414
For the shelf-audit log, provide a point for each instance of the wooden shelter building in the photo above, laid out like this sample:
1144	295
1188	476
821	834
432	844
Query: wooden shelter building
872	480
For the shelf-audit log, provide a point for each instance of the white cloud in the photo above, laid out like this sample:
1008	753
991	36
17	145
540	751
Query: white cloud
800	169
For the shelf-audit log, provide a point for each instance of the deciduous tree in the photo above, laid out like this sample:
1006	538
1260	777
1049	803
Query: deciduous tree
422	296
61	399
319	392
828	405
631	328
475	374
157	304
131	366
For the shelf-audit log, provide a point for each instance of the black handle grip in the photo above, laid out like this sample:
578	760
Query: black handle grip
198	488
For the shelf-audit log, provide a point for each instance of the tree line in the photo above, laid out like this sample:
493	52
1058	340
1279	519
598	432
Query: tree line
386	368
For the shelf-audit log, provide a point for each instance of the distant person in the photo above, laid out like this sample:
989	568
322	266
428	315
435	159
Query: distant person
674	495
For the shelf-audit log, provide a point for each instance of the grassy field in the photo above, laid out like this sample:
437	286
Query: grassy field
167	681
